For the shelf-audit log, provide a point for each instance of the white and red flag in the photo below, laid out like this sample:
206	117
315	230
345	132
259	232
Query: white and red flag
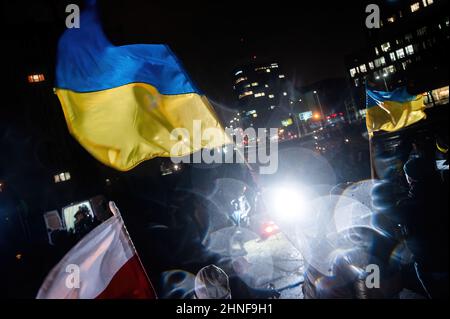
102	265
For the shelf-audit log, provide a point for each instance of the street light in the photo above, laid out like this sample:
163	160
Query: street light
320	104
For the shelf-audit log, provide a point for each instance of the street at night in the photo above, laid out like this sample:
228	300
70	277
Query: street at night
211	150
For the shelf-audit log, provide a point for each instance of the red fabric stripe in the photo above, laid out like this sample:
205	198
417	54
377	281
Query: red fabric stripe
130	282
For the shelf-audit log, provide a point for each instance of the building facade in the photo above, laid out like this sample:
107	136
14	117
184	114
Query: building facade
407	50
260	89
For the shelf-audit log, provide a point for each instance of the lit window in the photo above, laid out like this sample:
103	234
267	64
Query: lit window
427	2
268	70
386	47
35	78
274	65
247	86
255	115
238	72
415	6
62	177
260	94
391	19
281	76
392	55
409	50
250	112
390	69
271	96
240	80
284	93
356	82
255	84
353	72
272	107
371	65
266	85
363	68
376	51
380	61
400	53
246	93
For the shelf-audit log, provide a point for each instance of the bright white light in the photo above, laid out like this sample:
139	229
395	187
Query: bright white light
288	203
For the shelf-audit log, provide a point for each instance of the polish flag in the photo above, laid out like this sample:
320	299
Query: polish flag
102	265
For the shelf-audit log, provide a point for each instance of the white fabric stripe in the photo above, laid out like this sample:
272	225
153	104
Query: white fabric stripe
99	255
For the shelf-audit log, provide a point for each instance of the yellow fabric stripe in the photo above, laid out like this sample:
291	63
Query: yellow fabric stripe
124	126
393	116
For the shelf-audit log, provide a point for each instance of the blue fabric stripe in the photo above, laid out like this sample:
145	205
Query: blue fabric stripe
88	62
399	95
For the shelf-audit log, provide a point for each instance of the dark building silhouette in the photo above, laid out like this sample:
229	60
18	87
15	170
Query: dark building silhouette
260	89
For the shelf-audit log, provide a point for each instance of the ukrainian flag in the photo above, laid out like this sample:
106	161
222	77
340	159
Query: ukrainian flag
392	111
122	102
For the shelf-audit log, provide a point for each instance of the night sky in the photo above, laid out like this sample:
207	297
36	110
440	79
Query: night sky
212	37
309	40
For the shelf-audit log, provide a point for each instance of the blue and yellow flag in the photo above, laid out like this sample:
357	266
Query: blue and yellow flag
122	102
392	111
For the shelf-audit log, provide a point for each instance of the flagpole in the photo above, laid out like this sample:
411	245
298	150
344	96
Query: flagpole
373	171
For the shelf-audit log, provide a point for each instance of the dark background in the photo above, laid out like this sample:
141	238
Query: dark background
308	39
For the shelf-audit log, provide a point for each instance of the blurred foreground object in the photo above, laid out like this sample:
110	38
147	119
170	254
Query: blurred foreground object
211	282
103	265
122	102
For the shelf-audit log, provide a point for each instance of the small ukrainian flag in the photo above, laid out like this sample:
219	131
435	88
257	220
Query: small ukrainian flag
392	111
122	102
